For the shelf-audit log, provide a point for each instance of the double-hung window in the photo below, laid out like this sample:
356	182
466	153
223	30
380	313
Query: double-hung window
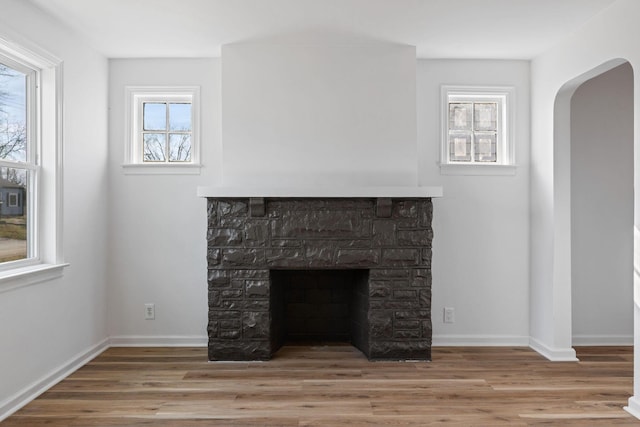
162	130
18	167
477	130
30	166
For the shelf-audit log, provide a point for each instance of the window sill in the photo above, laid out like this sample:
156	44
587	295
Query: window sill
478	170
162	169
26	276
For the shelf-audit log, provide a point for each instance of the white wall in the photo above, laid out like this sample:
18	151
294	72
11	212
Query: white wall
481	226
157	239
596	48
319	114
602	209
47	327
157	225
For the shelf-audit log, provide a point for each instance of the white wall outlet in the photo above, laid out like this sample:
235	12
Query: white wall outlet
449	315
149	311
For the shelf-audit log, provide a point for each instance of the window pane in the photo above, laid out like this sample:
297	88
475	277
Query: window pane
485	147
486	116
155	147
180	147
180	117
13	114
460	147
155	116
459	116
13	214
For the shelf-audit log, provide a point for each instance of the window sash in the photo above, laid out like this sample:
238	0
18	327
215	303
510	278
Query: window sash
32	117
466	135
163	152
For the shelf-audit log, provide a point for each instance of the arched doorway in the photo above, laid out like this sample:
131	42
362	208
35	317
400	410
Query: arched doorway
601	162
562	214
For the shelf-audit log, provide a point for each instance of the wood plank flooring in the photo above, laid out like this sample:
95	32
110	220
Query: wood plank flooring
334	385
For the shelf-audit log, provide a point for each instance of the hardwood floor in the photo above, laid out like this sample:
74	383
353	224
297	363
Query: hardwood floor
336	386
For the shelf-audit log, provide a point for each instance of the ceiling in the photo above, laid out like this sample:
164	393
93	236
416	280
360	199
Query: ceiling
509	29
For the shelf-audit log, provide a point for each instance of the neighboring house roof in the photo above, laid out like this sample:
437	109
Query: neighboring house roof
5	183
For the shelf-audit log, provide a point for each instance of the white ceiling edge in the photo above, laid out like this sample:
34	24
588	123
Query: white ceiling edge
443	29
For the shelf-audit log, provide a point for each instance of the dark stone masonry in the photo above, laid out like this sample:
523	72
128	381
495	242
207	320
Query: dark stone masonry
357	269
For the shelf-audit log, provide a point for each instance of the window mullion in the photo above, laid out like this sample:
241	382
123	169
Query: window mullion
497	134
167	129
473	132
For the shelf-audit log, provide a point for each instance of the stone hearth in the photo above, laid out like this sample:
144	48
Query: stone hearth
253	241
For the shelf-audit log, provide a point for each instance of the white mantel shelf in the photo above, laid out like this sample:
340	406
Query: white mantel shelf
320	192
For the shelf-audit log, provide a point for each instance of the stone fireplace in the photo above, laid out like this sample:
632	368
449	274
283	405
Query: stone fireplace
354	269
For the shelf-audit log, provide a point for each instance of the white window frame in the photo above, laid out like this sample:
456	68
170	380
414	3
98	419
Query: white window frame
505	145
44	194
135	97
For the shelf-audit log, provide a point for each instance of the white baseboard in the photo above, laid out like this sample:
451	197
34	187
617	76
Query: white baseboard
159	341
29	393
480	340
634	406
596	340
553	354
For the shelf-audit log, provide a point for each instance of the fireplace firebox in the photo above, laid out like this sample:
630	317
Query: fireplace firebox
319	305
284	269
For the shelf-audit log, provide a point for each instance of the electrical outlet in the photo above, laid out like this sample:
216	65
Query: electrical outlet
449	315
149	311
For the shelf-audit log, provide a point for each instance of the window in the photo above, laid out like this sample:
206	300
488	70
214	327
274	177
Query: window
162	134
477	130
30	148
13	200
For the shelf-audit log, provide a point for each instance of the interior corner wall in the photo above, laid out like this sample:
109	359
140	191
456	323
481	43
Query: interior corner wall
481	225
157	239
49	327
602	209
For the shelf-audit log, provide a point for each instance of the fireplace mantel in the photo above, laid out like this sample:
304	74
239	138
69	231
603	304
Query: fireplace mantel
320	192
